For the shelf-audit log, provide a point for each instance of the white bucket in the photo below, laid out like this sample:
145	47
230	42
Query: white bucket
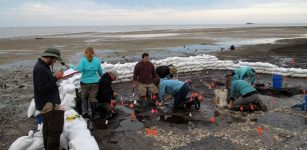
221	97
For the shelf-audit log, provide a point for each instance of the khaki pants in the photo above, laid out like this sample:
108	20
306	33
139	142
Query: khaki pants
88	93
150	87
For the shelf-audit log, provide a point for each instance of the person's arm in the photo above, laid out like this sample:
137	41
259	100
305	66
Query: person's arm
135	75
81	65
162	90
232	92
153	71
44	85
101	70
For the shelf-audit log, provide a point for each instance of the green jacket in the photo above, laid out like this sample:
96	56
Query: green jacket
244	72
240	88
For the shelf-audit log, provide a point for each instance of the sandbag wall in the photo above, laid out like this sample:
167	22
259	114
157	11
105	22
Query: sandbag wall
204	62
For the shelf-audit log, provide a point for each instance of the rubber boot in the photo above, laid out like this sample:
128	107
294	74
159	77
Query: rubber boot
93	108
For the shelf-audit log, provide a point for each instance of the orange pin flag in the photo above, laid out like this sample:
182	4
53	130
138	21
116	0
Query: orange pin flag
154	131
132	116
148	131
212	119
156	111
152	111
241	108
259	130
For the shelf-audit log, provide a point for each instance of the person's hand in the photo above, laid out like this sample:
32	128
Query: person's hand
133	84
230	105
58	74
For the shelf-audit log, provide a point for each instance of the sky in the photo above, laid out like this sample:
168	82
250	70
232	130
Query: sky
149	12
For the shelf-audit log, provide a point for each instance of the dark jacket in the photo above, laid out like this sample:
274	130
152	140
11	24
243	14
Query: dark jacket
45	87
164	72
144	72
105	92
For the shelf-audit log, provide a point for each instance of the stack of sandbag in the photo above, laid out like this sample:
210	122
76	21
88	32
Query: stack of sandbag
31	142
76	132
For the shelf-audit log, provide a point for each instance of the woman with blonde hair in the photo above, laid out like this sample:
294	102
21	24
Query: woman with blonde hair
90	67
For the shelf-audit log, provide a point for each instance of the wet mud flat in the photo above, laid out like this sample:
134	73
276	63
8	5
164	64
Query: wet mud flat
279	128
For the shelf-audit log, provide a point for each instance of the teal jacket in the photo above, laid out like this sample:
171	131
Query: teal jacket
244	72
89	70
240	88
169	86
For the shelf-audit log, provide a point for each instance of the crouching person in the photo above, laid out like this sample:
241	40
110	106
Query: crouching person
178	89
169	71
246	93
106	93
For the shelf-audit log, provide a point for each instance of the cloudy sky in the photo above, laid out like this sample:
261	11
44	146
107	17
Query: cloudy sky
149	12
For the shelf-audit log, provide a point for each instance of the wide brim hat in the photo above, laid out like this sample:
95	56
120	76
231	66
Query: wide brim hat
114	72
52	52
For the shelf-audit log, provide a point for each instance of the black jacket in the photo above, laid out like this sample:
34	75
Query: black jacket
105	92
163	71
45	87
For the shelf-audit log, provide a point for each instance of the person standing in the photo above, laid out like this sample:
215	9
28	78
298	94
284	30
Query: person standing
90	67
144	74
47	98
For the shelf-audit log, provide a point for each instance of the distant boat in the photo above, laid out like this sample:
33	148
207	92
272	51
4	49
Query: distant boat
250	23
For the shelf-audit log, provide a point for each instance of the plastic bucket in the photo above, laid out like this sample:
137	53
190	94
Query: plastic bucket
277	81
221	97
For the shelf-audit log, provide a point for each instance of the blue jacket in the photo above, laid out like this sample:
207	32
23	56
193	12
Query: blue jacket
240	88
169	86
89	70
244	72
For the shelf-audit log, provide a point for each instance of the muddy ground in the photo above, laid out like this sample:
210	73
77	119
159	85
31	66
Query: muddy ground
283	128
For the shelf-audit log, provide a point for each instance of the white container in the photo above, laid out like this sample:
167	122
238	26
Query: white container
221	97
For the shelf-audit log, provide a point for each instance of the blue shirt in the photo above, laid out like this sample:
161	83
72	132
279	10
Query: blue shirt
240	88
244	72
169	86
89	70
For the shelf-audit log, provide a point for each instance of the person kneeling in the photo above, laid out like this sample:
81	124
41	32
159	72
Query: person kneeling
106	93
247	95
178	89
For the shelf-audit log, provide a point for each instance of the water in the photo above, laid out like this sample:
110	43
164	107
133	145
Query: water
9	32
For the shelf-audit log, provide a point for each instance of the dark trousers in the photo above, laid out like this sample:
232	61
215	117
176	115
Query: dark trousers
52	129
180	97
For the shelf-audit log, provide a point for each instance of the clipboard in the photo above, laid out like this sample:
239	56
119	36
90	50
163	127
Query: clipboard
69	72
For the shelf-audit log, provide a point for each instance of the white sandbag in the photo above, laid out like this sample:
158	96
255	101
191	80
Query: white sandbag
125	80
37	113
31	109
68	88
81	143
281	70
69	100
128	76
23	142
38	142
299	75
78	123
63	142
74	133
